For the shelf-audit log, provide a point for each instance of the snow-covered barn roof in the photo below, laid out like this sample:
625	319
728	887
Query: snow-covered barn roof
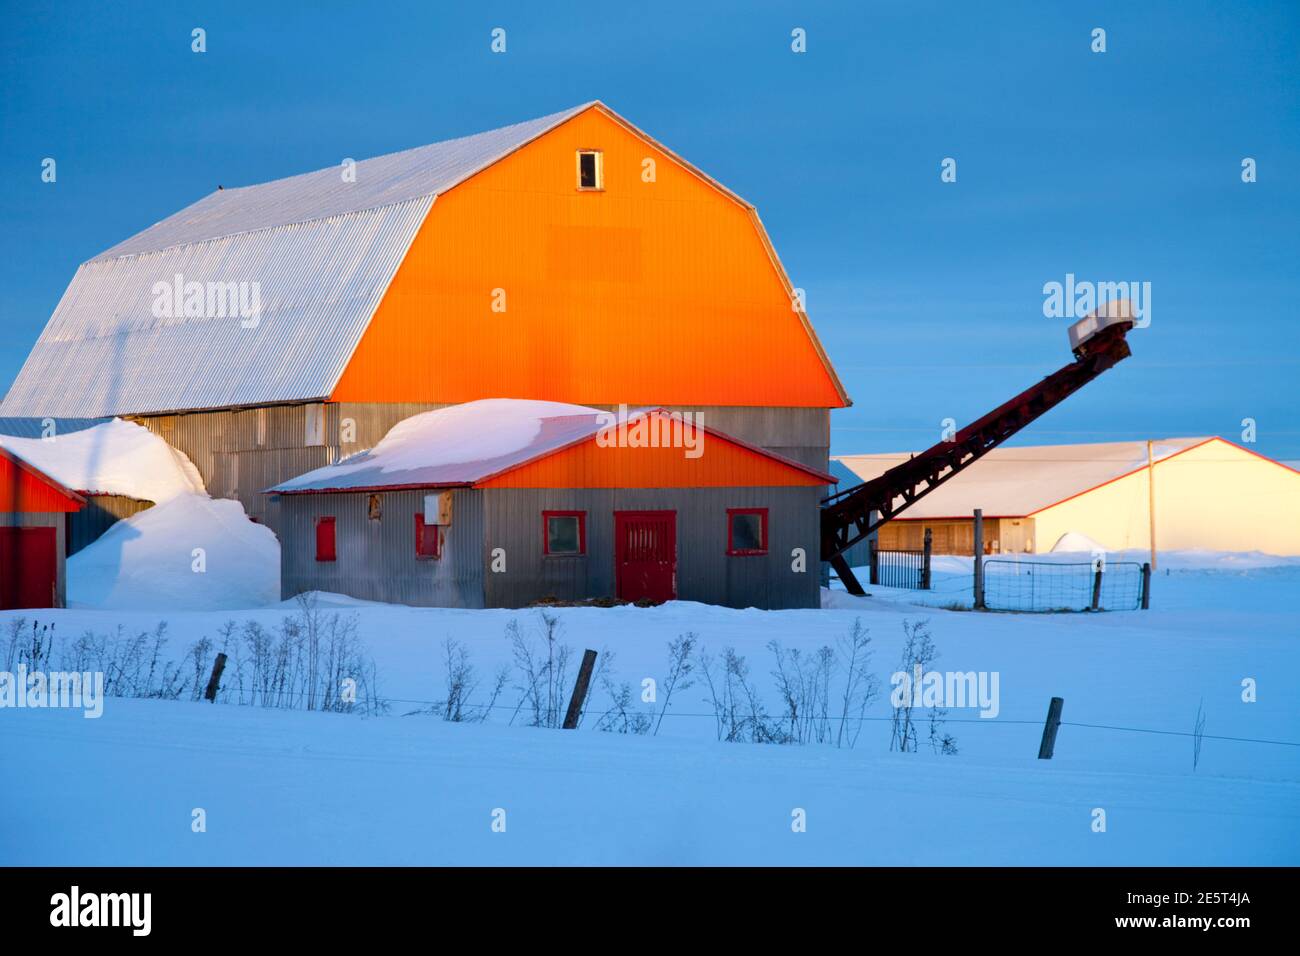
1016	482
457	445
112	458
322	250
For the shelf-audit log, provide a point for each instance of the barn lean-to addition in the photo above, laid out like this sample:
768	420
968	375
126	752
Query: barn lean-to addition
504	503
567	259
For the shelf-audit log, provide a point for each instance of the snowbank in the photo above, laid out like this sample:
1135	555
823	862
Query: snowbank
115	458
149	560
1073	541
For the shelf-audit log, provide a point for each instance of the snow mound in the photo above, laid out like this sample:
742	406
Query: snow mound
1075	541
148	560
115	458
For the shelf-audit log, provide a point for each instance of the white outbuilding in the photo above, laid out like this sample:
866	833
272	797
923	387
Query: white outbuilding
1208	493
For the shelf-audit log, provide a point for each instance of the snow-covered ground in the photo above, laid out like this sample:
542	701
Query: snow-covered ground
295	787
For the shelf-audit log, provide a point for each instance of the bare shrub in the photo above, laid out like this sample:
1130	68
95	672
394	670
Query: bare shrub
680	669
310	661
737	710
804	684
919	653
460	683
621	717
861	686
543	666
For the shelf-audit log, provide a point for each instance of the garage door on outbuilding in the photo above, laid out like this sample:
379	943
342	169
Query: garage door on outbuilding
33	507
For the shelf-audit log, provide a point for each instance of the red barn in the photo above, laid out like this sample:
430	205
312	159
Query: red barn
32	522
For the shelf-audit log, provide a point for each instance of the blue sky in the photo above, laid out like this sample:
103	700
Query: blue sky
1124	165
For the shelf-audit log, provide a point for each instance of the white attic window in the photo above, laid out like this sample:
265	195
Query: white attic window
591	169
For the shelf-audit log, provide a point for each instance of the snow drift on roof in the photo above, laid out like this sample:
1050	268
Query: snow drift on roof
1014	482
115	458
457	445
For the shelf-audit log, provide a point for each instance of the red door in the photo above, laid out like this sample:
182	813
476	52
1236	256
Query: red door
645	555
28	567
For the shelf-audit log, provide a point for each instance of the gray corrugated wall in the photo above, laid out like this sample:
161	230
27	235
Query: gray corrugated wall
43	519
376	558
99	514
705	572
241	452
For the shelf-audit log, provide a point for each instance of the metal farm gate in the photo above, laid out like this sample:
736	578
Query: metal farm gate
1047	586
900	568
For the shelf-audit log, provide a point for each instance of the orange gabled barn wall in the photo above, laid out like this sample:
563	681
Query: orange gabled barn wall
721	464
657	292
23	491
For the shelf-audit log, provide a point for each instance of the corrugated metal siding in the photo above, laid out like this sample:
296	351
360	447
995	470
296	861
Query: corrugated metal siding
803	434
99	513
239	458
705	572
239	454
376	558
381	181
104	352
370	421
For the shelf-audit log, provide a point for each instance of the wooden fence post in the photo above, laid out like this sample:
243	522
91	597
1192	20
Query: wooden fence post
214	681
1096	587
873	560
580	690
1048	746
925	562
1146	586
979	559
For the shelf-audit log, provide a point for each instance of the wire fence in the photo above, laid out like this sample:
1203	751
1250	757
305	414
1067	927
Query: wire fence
1048	586
432	707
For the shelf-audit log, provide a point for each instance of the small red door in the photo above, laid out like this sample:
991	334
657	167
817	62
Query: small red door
645	555
28	567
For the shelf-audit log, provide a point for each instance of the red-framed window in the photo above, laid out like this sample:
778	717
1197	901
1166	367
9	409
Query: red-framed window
427	539
325	542
564	533
746	531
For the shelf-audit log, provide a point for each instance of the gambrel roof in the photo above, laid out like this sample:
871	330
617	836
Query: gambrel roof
322	248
